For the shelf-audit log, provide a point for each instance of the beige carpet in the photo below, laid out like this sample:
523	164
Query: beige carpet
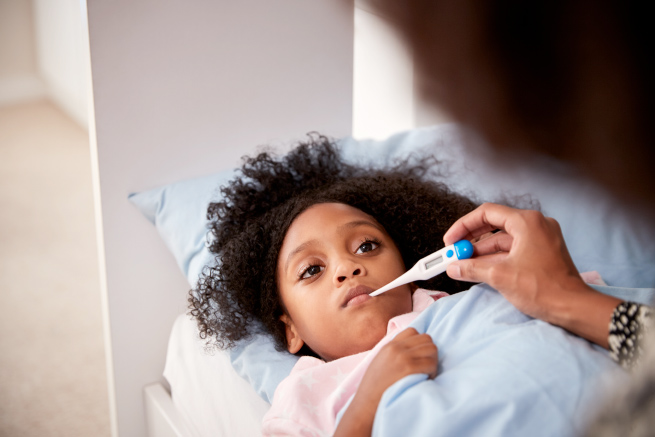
52	364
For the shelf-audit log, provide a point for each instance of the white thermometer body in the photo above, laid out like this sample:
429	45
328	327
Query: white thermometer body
431	266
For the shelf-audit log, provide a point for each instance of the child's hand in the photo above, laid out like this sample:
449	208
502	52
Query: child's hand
408	353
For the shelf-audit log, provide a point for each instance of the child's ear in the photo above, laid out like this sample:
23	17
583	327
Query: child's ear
294	342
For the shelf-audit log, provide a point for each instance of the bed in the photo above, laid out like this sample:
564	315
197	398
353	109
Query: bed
599	236
181	91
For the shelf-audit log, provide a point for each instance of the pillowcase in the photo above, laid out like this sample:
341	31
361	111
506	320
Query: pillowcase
599	234
179	213
203	384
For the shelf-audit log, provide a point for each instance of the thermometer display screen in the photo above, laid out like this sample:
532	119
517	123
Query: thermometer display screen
438	260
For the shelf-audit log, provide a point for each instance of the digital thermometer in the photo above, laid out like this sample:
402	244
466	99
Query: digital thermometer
431	266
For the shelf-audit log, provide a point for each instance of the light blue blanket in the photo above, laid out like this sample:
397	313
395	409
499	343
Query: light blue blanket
500	373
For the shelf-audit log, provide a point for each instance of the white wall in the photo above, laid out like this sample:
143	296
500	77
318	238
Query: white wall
62	54
383	100
386	98
19	77
44	54
183	88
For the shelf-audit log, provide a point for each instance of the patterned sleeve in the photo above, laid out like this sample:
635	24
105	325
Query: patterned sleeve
629	324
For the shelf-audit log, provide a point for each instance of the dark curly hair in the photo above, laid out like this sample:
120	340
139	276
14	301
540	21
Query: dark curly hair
249	224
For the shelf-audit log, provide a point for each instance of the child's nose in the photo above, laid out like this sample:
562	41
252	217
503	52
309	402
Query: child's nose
356	272
348	269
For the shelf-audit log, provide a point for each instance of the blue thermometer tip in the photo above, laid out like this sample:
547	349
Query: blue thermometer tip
464	249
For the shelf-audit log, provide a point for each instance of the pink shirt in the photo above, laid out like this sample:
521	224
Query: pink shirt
308	400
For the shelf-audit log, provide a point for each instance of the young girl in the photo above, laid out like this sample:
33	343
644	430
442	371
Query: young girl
332	257
302	240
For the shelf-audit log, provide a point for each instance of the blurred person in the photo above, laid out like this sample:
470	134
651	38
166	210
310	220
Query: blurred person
569	79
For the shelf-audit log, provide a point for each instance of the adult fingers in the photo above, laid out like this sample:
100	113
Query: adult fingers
498	242
476	269
485	218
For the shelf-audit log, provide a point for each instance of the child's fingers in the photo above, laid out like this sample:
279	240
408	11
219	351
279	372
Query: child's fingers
405	334
409	338
409	353
411	342
416	339
421	343
423	353
415	344
425	358
427	365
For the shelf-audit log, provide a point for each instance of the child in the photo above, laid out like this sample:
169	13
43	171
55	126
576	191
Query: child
302	241
332	257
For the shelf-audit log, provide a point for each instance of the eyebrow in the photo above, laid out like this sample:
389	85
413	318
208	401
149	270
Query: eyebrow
356	223
297	250
346	226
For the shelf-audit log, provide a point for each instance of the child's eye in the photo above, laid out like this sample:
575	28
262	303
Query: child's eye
367	246
311	271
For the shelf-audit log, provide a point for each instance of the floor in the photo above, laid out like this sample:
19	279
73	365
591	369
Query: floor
52	360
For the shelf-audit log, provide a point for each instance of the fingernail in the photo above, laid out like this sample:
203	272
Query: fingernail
454	271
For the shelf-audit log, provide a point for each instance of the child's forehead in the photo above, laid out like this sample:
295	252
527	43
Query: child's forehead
334	215
324	221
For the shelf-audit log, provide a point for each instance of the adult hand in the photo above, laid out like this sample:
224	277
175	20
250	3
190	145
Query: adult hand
528	262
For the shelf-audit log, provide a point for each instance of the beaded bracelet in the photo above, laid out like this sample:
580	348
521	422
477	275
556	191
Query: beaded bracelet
629	323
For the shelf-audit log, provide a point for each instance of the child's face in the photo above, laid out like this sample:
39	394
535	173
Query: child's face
332	256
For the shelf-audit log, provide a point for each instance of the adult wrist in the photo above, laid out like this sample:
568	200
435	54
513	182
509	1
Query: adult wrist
583	311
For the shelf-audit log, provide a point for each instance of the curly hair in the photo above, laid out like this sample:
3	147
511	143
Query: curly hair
249	224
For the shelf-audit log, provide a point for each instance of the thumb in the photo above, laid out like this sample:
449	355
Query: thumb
476	269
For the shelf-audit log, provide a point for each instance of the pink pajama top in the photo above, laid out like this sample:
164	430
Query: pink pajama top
307	402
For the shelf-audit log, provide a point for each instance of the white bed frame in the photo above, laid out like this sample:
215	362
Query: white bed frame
183	88
162	418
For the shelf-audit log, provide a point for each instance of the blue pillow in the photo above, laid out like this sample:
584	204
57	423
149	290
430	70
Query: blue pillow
599	234
179	213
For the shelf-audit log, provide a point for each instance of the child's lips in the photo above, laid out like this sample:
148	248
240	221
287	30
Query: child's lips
357	295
